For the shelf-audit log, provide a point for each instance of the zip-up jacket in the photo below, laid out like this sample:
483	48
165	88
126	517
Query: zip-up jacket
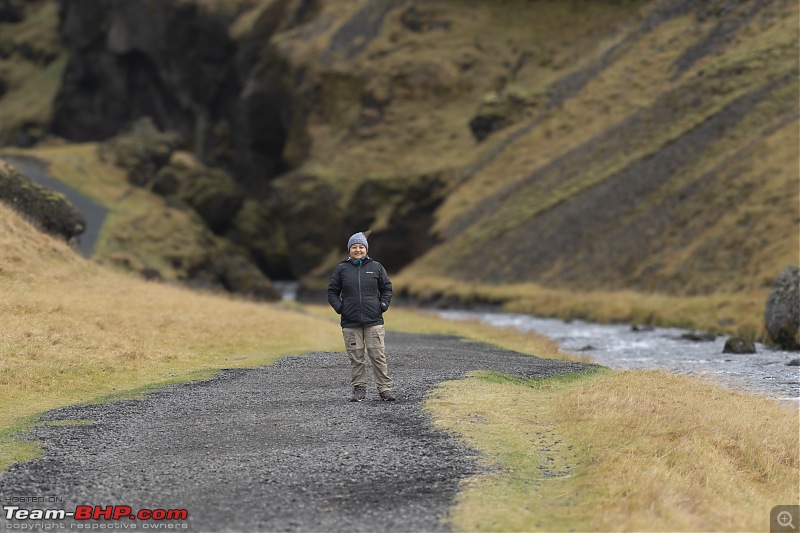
361	294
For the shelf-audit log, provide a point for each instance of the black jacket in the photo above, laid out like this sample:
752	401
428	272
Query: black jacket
361	294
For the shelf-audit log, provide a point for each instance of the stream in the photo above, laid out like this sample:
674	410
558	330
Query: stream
624	347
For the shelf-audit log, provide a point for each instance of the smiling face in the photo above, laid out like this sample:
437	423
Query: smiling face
358	251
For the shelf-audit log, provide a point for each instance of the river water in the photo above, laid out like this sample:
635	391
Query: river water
623	347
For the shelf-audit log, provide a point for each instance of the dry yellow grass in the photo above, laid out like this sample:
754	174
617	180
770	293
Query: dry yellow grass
622	451
72	331
646	450
737	313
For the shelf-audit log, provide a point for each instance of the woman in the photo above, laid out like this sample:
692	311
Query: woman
360	291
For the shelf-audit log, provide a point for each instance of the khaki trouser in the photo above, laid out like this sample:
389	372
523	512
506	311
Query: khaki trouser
356	340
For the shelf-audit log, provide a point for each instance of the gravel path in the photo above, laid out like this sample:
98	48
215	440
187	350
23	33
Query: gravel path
278	448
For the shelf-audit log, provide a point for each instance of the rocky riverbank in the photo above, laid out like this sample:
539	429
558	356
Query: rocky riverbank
622	346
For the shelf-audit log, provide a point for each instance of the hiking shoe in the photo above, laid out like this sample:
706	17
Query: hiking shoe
359	394
387	396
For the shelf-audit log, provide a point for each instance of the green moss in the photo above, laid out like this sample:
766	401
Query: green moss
14	449
50	210
142	152
32	67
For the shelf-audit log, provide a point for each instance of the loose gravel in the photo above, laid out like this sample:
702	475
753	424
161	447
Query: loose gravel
277	448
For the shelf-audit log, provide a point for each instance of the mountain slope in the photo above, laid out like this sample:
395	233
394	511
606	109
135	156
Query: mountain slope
499	150
650	146
691	188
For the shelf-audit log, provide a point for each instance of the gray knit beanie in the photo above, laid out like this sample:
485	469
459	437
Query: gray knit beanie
357	238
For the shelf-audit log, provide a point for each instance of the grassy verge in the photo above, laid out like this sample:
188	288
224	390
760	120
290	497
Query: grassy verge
734	314
619	451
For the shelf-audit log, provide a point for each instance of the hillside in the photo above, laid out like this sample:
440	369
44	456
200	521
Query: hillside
74	331
616	160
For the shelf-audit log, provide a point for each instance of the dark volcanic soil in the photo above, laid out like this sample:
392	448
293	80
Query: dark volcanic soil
278	448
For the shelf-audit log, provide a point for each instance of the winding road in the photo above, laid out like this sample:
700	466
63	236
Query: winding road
276	448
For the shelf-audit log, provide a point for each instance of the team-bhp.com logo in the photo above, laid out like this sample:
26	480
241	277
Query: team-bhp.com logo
96	512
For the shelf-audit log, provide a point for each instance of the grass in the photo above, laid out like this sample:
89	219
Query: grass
733	314
598	451
141	228
428	82
607	451
624	88
79	166
73	331
619	451
727	261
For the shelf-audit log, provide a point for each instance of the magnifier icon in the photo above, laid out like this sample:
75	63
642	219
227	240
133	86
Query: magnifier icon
785	519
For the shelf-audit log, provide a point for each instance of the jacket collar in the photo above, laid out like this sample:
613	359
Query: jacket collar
352	261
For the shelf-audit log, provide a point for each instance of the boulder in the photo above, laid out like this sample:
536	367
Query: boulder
142	151
307	208
215	196
235	274
499	110
11	10
782	313
259	228
400	212
211	192
695	336
739	345
49	210
240	276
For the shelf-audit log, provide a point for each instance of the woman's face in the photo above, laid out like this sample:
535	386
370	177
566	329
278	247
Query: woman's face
358	251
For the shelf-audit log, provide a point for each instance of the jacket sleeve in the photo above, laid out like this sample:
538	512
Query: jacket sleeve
335	291
385	290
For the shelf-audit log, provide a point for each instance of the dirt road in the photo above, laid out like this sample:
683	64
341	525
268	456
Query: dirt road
278	448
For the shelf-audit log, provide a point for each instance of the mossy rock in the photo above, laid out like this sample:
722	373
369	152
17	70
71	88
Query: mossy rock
400	213
311	218
499	110
49	210
782	314
231	271
142	152
169	179
291	230
240	276
259	228
211	192
214	194
11	10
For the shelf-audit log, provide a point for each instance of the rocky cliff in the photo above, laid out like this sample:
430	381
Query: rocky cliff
588	145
